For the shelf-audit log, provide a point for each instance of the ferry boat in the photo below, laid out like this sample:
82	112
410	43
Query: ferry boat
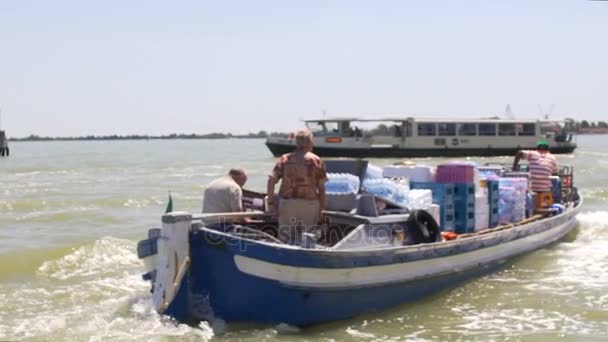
409	137
364	261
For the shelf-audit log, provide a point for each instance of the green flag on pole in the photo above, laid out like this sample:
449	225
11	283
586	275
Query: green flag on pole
170	204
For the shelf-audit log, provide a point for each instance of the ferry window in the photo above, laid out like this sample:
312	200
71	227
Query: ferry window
323	127
315	127
487	129
396	130
427	129
332	128
467	129
528	129
446	129
346	130
506	129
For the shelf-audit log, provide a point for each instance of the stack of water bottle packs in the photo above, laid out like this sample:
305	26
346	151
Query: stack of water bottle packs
465	198
341	190
464	204
342	184
386	189
512	200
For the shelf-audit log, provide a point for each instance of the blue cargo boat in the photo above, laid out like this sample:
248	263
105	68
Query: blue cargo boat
362	262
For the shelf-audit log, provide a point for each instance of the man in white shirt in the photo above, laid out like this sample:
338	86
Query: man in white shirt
225	194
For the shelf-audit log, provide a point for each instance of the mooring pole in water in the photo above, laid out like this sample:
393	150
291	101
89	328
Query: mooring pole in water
4	151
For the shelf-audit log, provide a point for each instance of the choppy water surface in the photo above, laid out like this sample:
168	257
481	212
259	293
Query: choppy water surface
72	213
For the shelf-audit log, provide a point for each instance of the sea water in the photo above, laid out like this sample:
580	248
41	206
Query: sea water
72	213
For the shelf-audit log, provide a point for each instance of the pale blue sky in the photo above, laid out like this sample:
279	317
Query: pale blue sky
157	67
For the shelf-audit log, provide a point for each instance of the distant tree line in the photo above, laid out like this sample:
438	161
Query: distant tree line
258	135
590	124
382	129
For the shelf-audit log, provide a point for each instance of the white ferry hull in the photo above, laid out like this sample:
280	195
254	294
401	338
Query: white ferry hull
280	148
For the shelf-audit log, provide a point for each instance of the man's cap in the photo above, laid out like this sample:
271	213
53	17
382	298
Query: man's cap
542	143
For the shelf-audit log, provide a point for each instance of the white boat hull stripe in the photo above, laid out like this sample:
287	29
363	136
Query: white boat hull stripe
399	272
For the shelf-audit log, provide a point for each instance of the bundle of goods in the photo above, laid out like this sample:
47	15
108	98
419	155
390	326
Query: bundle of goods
512	201
373	172
490	171
387	189
342	183
419	199
482	210
414	173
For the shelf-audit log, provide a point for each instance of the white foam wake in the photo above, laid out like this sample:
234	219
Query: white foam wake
95	293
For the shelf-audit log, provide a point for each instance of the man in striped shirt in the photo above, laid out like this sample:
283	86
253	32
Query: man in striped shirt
542	165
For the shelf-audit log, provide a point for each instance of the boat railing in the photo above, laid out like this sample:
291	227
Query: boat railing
218	218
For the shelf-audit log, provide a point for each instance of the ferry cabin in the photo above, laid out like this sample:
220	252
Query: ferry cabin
430	137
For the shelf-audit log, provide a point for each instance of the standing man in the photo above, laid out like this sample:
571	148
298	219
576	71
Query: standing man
542	165
225	194
302	191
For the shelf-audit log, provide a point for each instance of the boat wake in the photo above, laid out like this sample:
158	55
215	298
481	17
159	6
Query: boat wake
95	292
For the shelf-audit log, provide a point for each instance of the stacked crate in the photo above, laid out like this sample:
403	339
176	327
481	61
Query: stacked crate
443	195
493	199
464	207
462	177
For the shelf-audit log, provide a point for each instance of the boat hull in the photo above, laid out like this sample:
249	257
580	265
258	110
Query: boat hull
241	280
278	149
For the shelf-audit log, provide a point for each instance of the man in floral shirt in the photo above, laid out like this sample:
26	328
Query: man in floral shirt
302	191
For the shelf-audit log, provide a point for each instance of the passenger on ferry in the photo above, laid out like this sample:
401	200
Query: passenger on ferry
225	194
542	165
302	192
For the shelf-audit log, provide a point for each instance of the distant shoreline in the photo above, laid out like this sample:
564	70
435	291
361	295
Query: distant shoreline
186	137
212	136
583	128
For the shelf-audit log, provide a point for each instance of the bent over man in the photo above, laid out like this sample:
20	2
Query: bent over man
225	194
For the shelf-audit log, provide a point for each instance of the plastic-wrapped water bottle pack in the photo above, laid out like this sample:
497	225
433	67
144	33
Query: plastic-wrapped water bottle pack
387	189
342	183
372	172
419	198
512	201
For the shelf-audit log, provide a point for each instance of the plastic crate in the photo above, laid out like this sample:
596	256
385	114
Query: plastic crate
455	173
448	227
493	217
464	206
464	221
464	191
492	187
447	219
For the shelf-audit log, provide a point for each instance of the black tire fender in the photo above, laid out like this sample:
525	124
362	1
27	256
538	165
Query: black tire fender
422	227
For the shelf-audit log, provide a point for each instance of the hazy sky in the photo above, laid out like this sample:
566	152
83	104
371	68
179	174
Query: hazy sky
157	67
